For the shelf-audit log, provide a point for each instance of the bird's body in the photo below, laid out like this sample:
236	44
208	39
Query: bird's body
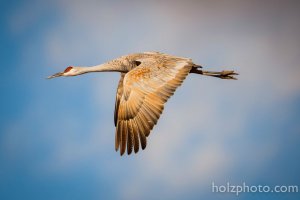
147	81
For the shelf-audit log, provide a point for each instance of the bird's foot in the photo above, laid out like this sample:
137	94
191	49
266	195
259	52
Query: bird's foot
227	75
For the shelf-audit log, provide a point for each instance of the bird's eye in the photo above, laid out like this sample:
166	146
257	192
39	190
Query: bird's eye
68	69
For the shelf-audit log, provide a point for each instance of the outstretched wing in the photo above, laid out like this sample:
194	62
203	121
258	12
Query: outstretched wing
145	90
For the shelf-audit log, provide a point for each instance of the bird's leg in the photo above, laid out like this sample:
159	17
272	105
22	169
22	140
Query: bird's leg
225	74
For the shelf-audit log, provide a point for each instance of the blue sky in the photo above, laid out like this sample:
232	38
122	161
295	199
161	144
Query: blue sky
57	136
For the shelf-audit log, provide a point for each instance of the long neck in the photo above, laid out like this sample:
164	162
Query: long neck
105	67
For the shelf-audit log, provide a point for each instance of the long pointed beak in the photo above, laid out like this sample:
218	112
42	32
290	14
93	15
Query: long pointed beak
55	75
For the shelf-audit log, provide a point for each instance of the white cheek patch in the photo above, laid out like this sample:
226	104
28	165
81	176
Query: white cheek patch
71	72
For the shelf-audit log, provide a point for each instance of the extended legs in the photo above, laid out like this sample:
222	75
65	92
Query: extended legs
225	74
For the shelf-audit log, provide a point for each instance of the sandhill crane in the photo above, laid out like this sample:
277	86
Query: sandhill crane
147	81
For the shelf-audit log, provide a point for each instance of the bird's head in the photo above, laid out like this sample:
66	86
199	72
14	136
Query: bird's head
69	71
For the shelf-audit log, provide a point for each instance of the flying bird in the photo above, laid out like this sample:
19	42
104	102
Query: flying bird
147	81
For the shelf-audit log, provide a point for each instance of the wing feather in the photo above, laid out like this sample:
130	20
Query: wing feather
130	141
141	96
124	134
118	97
136	131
